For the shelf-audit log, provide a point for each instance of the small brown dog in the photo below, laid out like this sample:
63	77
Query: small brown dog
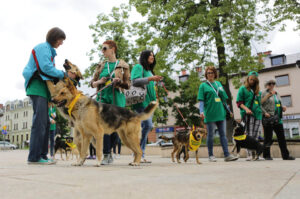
191	141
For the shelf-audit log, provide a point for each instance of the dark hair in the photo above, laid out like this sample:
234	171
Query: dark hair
111	44
213	69
144	60
55	34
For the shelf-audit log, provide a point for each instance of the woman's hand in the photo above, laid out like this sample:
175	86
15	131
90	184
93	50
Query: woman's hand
248	111
155	78
267	115
116	80
100	81
202	116
271	93
284	108
52	121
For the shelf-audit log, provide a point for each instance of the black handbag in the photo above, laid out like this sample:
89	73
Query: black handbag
270	121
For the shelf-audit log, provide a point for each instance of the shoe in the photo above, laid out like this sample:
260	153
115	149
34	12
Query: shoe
105	159
40	162
230	158
52	161
289	158
268	158
118	156
89	157
212	159
110	159
94	157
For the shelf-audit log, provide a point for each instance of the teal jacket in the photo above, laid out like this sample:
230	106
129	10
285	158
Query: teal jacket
45	55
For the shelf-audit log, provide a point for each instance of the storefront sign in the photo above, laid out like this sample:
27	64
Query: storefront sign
164	129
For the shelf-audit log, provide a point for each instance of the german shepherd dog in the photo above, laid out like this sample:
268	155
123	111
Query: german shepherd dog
55	88
241	140
93	119
181	140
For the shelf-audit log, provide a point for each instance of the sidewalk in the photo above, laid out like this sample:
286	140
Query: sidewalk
161	179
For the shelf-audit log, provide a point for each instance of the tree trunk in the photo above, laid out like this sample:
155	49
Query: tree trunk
222	63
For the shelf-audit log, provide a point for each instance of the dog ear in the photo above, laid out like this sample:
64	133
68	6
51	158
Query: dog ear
71	86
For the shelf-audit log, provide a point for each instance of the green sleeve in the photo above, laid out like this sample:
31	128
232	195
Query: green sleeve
201	93
240	96
137	71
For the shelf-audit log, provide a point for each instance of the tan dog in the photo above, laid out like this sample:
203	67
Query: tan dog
191	141
93	119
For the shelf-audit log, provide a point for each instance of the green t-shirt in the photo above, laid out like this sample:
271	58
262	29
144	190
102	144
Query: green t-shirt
277	107
246	96
213	107
38	87
52	110
139	72
107	93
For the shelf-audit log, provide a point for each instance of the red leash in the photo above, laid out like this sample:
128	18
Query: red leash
163	85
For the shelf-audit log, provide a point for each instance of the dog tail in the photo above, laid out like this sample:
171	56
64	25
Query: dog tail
164	138
149	110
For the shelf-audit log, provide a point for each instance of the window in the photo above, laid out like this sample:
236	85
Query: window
278	60
17	138
26	136
13	139
286	100
282	80
295	131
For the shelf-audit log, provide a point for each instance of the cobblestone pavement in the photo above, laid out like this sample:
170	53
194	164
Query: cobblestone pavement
160	179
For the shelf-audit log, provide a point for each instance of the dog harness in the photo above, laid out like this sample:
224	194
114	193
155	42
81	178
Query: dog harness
240	137
70	108
71	145
193	143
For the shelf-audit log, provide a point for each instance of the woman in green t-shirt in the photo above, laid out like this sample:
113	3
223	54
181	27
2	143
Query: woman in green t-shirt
271	106
249	102
143	75
211	96
116	72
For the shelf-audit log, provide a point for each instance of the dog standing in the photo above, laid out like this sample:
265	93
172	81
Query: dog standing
191	141
241	140
93	119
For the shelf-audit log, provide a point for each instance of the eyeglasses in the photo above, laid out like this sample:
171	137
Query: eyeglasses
210	73
272	83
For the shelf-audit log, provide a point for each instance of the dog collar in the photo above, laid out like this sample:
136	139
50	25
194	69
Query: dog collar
73	104
193	143
240	137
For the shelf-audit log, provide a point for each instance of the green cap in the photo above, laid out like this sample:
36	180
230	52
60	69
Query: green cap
253	73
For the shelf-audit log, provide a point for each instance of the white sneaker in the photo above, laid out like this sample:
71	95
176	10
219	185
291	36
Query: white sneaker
118	156
212	159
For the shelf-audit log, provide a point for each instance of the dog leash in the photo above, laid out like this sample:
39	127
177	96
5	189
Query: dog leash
163	85
101	90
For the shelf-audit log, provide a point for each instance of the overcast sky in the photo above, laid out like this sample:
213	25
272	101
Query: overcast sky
24	24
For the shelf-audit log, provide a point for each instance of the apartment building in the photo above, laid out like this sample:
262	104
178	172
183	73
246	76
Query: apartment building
17	117
285	69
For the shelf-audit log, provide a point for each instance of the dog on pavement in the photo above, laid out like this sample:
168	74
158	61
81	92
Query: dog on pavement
191	141
93	119
241	140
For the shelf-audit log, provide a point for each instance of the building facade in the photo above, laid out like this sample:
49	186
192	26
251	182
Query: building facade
17	117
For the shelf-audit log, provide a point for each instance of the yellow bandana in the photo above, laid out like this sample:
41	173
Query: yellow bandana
194	144
72	145
240	137
73	104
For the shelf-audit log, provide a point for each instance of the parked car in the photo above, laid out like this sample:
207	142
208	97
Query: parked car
161	143
7	145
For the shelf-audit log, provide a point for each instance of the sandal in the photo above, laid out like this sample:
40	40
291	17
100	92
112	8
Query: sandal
145	161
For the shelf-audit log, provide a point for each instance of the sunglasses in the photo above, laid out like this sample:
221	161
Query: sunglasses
105	48
271	83
210	73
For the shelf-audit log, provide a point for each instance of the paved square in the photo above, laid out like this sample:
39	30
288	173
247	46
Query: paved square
160	179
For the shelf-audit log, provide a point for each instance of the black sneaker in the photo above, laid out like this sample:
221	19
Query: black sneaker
289	158
268	158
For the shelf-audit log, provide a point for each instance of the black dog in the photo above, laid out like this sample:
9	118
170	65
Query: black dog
241	140
61	144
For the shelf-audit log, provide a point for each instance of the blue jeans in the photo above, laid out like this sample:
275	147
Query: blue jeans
147	125
221	125
38	146
52	135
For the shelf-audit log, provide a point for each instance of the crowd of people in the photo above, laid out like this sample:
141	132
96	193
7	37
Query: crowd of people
255	106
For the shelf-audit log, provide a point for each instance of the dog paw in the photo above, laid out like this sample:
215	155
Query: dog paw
134	164
98	164
199	162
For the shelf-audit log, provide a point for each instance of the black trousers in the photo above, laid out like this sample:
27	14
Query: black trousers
268	134
92	150
109	141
